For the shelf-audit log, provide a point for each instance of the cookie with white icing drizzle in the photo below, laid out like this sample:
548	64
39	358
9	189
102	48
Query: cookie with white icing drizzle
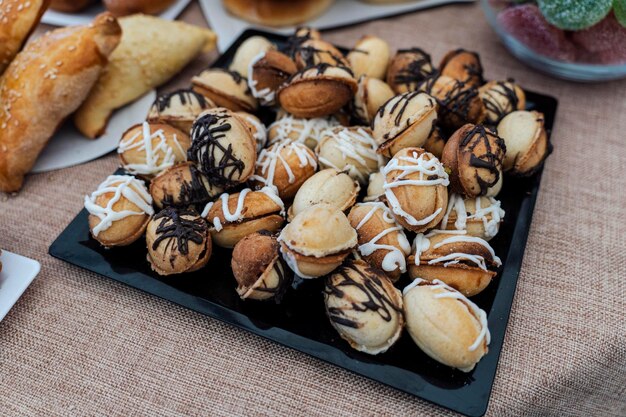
267	72
466	263
446	325
308	132
479	216
119	210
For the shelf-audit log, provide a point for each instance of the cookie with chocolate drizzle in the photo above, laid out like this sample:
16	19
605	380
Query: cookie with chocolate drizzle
182	185
225	88
364	307
179	108
409	69
463	65
178	241
501	98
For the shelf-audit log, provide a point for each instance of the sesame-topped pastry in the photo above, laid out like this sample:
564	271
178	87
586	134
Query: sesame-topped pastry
370	57
179	109
222	147
462	65
466	263
147	149
256	127
478	216
119	210
329	186
459	102
234	216
286	166
526	140
404	121
501	98
268	71
225	88
317	241
318	91
474	156
305	131
364	307
445	324
382	242
182	185
259	269
416	189
371	94
246	52
408	69
350	149
375	186
178	241
313	52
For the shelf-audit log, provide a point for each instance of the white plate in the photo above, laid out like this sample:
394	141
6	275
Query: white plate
16	275
68	147
341	13
52	17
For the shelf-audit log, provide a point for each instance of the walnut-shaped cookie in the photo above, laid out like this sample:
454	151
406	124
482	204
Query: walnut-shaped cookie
501	98
370	57
179	109
225	88
247	51
268	71
182	185
462	65
409	69
308	132
178	241
478	216
435	142
526	140
313	52
371	94
257	128
474	157
375	188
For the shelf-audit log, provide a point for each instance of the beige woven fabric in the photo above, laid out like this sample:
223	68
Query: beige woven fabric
79	344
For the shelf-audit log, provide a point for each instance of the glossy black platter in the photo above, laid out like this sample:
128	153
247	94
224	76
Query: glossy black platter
299	322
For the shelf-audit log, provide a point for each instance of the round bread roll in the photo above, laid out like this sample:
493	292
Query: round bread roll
277	13
127	7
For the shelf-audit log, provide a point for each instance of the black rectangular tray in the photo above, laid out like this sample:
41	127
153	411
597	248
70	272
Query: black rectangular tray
299	322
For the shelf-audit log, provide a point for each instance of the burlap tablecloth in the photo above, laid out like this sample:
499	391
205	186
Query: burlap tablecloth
79	344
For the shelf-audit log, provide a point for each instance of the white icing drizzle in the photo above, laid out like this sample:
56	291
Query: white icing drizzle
265	96
268	158
491	216
272	192
237	215
153	151
259	133
450	292
395	257
422	244
357	145
306	129
206	210
425	168
125	186
291	261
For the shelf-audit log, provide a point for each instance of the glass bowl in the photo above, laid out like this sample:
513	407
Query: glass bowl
562	69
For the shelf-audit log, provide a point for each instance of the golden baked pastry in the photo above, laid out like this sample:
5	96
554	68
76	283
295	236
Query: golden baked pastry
151	52
127	7
18	18
474	155
462	65
277	13
328	186
526	141
44	84
179	109
466	263
147	149
364	307
375	186
268	71
435	142
313	52
259	270
308	132
178	241
350	149
382	242
370	57
416	189
226	89
182	185
317	91
234	216
408	69
317	241
405	121
370	96
501	98
478	216
247	51
259	133
286	166
70	6
119	210
222	147
446	325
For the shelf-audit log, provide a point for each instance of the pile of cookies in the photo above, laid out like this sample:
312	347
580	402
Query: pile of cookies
368	152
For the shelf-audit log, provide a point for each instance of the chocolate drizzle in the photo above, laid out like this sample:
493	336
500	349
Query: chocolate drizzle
368	282
399	108
490	159
474	70
164	101
178	231
206	138
417	71
500	100
456	102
